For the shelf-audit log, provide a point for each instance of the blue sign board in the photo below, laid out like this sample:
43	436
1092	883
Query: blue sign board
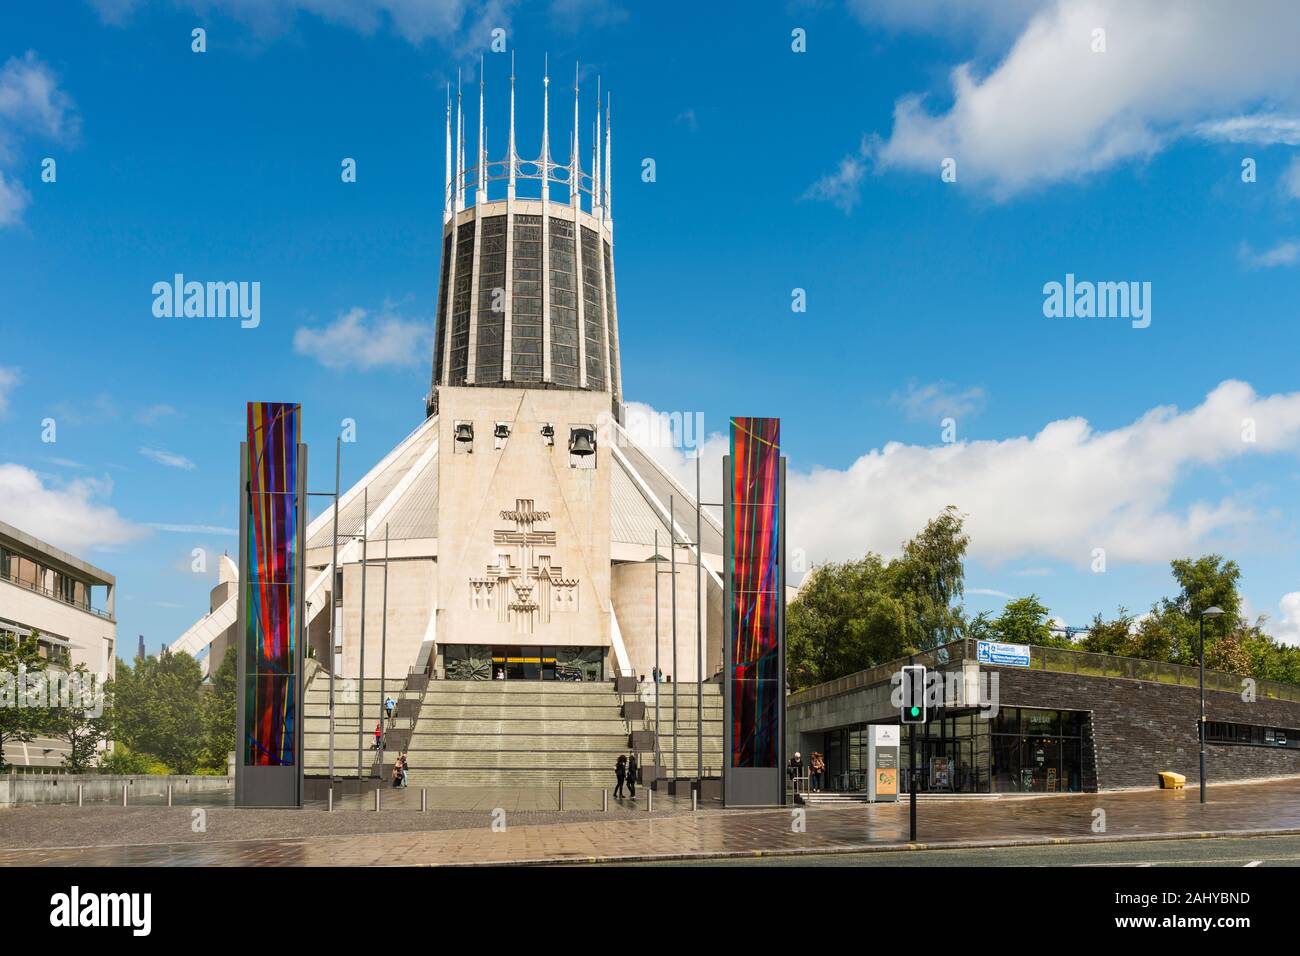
1004	655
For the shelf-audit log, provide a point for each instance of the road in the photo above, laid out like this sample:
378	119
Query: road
1227	851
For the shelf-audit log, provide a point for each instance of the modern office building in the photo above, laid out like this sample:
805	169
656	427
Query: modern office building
1063	720
68	604
512	534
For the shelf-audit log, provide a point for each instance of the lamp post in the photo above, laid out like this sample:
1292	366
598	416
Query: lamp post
1208	612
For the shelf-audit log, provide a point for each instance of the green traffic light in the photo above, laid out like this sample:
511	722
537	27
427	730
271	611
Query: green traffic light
915	711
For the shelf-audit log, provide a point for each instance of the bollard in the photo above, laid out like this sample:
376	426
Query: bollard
424	800
561	794
377	799
81	793
604	800
329	800
169	794
695	799
650	801
123	794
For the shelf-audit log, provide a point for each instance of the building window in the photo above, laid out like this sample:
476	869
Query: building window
1220	732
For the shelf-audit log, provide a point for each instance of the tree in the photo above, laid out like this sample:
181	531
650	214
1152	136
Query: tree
219	703
1208	581
85	729
22	719
853	615
1227	654
1109	637
158	709
1027	621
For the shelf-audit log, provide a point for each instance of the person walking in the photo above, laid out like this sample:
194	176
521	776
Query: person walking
620	774
389	704
379	736
406	766
631	776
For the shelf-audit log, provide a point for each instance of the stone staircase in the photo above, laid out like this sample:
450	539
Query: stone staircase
355	714
518	733
507	733
687	722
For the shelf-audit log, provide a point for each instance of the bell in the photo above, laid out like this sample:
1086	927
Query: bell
548	432
502	430
582	441
464	432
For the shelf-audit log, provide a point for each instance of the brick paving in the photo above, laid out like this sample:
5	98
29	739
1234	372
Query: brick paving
314	838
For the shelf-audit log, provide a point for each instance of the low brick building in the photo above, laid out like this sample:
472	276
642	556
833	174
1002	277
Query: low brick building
1070	721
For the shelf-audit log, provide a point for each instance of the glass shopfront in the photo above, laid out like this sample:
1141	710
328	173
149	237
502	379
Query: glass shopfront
1020	749
523	662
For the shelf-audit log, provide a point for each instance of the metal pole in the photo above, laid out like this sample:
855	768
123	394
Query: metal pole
361	701
1201	722
377	789
672	554
659	674
424	799
169	794
123	794
80	794
383	640
561	794
699	637
334	598
650	801
911	779
604	800
329	799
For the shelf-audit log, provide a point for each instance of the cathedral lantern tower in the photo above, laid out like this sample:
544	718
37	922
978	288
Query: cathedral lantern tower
526	294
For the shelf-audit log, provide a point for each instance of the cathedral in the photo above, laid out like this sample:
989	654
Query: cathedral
518	532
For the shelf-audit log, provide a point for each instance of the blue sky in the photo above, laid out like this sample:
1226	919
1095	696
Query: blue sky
776	170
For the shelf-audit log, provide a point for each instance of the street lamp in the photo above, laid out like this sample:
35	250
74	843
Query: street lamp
1208	612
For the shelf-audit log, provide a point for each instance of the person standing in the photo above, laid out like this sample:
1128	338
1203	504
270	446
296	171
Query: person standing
620	773
406	766
631	776
795	770
818	767
379	737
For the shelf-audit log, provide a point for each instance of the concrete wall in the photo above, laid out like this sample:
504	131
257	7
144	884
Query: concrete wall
634	602
412	584
103	788
474	489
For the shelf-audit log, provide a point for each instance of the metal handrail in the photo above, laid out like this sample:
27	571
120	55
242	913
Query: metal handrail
50	593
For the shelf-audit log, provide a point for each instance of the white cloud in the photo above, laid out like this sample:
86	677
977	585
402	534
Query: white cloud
843	187
935	401
153	414
989	19
358	340
1260	129
1291	179
9	377
72	517
31	104
989	592
449	21
1055	495
194	529
1053	110
1287	627
1286	253
170	459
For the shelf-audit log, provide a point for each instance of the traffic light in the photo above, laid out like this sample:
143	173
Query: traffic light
913	707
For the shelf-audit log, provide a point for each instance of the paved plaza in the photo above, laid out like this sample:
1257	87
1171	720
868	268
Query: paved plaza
107	836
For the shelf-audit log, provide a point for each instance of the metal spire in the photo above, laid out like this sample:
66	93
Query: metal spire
460	150
575	163
596	200
480	174
446	188
609	126
546	128
510	187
